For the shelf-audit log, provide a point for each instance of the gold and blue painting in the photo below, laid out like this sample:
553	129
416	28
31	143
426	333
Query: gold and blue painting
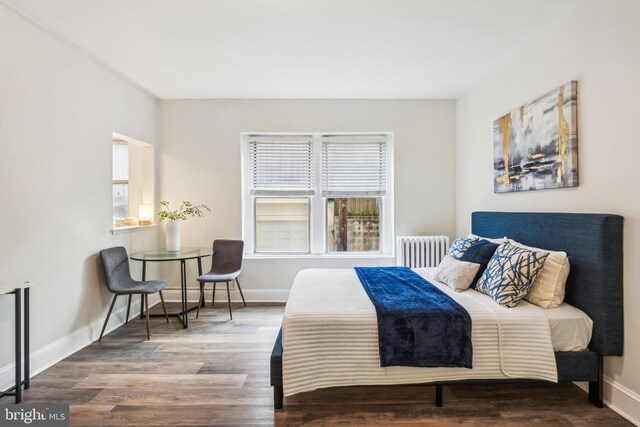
536	146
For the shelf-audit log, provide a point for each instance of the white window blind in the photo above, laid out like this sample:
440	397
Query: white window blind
354	166
120	161
281	166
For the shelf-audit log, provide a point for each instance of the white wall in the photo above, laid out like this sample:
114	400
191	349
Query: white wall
600	48
200	161
58	110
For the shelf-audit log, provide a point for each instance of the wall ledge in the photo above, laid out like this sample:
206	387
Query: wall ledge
133	228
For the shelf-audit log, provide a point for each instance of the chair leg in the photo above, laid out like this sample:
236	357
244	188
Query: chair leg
146	303
241	294
126	321
163	307
202	292
141	306
213	298
200	300
113	302
229	299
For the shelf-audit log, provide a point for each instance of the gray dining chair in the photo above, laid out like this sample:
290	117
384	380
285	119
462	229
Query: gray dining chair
119	282
226	265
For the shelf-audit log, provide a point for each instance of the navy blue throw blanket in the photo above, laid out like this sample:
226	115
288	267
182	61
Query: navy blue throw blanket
418	324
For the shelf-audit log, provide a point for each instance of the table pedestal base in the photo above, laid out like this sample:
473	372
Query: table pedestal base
183	314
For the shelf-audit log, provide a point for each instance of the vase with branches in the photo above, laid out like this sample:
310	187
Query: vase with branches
175	216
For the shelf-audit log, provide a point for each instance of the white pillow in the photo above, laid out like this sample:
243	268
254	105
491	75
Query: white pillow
548	288
497	241
458	275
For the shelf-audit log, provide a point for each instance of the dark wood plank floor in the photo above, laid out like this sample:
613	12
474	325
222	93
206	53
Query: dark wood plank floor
217	373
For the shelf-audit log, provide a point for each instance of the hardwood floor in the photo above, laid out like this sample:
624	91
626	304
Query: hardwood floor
217	373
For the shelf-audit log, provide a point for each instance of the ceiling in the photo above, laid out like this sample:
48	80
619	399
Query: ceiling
299	48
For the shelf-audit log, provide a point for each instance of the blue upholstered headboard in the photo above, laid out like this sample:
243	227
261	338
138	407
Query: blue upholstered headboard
593	243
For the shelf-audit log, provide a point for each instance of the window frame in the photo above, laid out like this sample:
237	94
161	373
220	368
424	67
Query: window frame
317	203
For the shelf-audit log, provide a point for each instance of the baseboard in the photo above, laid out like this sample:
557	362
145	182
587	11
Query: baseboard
62	348
251	295
620	399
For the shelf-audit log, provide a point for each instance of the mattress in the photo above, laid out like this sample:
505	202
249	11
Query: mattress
330	337
570	328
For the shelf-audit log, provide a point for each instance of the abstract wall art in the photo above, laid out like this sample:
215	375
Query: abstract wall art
536	146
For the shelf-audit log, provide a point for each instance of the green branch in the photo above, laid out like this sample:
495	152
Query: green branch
186	209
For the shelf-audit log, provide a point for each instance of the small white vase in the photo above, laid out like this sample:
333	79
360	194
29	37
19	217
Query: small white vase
173	235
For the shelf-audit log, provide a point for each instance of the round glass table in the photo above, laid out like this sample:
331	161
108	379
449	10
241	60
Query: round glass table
184	254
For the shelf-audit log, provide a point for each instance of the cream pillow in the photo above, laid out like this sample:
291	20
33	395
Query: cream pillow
548	288
458	275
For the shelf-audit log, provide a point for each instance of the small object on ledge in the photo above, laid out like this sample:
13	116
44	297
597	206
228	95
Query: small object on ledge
125	222
146	215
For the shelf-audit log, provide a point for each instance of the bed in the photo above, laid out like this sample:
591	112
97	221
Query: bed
330	340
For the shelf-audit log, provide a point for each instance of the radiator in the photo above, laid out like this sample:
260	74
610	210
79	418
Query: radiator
421	251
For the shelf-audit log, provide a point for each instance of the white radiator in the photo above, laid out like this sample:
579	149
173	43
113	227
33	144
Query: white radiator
421	251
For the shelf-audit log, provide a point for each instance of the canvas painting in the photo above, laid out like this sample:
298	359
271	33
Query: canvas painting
536	146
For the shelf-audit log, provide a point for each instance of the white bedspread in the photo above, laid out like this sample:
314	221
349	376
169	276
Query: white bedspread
330	337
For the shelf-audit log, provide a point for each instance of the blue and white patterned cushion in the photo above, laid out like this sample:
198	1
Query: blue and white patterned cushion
460	246
510	274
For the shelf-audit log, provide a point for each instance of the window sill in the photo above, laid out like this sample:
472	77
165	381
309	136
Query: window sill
322	256
132	228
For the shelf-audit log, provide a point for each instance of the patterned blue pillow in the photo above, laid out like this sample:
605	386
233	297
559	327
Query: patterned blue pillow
460	246
510	274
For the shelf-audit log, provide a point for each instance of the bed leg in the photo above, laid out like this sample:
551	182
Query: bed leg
595	387
278	397
439	395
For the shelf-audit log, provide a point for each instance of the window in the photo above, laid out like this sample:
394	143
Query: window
282	224
353	183
120	179
281	170
132	182
317	193
353	224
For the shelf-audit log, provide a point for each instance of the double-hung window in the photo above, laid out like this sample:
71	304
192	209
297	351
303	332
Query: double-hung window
282	184
318	193
120	179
